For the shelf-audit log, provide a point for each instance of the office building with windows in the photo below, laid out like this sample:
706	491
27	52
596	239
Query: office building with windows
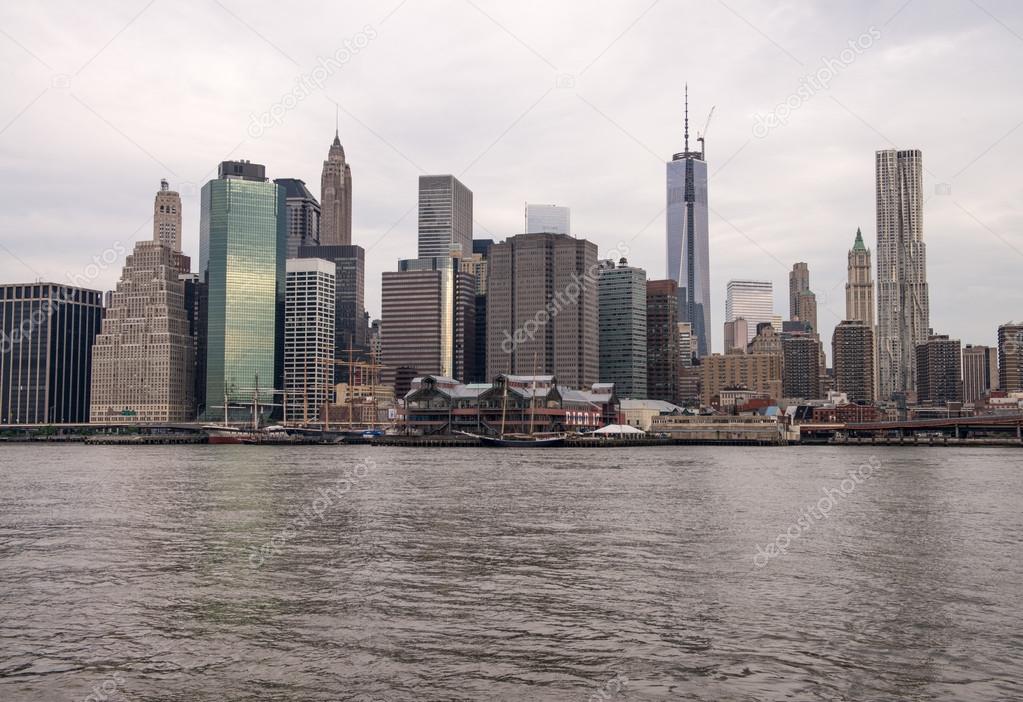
939	370
47	331
308	338
980	372
542	308
303	215
445	217
552	219
662	355
143	361
428	320
622	323
752	300
243	236
852	360
687	236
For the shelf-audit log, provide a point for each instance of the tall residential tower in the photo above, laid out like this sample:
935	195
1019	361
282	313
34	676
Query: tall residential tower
903	309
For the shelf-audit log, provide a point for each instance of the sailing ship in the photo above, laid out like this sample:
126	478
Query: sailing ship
228	433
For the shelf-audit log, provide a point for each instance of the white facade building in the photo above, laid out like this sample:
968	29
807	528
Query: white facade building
308	337
752	300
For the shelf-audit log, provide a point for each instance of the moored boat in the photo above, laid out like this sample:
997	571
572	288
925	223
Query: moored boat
521	440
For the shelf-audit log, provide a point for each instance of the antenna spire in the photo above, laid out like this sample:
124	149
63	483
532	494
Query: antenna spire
687	118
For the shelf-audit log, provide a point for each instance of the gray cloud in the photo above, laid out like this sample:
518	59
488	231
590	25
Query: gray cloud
101	101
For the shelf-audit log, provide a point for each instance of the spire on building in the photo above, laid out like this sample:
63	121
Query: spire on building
858	245
686	147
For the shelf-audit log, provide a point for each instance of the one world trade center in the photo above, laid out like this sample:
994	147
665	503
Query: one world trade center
688	238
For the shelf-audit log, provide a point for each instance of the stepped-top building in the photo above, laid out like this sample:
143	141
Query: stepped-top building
143	361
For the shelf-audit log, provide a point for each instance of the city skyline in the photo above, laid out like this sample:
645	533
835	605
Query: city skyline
130	147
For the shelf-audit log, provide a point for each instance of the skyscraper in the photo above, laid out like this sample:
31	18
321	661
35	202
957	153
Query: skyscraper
939	370
736	335
859	287
479	266
143	361
903	309
753	300
685	343
428	319
336	197
687	246
350	327
47	331
548	218
852	358
308	337
1010	357
303	215
623	333
445	217
980	371
542	304
662	364
243	236
167	217
800	366
802	301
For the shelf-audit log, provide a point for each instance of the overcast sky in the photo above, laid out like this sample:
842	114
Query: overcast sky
548	102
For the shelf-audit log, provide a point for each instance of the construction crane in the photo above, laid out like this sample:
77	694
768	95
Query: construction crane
700	136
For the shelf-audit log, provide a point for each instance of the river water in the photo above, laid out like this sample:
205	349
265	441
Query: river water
359	573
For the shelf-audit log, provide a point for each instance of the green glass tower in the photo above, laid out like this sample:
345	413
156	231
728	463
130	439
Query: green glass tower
242	250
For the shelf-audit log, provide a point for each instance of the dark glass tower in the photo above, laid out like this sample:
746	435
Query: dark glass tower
688	238
350	328
46	336
303	215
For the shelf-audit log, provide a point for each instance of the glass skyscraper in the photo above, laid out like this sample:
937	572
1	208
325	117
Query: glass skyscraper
243	234
688	239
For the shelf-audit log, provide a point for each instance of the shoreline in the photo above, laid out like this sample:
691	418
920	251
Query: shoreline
463	442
